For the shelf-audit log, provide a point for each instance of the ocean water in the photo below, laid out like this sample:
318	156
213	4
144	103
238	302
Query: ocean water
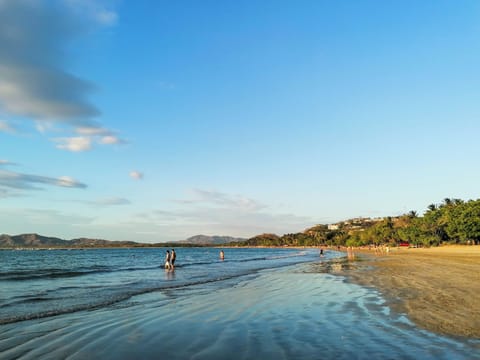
257	303
43	283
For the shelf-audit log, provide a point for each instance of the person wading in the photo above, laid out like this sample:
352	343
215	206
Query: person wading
172	258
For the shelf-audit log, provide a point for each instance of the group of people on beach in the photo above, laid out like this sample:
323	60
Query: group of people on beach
170	259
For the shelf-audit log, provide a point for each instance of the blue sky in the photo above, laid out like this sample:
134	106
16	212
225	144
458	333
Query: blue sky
158	120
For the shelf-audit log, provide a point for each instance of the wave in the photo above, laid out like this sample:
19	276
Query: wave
64	273
109	300
46	274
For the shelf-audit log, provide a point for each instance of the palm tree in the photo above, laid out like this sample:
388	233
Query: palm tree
412	214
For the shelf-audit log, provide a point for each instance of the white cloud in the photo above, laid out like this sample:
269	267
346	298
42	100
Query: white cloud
74	144
136	175
110	140
103	136
88	136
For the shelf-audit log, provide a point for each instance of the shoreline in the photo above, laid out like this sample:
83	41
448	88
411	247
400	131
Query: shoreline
279	313
437	288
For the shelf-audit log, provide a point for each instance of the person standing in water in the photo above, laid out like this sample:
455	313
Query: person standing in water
222	255
168	260
173	257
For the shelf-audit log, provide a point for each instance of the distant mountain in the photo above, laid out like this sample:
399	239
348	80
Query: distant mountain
210	240
40	241
31	240
35	240
100	243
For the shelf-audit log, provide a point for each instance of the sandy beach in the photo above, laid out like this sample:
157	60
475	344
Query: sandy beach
438	288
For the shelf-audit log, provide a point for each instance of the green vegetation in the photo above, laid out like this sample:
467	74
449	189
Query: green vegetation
454	221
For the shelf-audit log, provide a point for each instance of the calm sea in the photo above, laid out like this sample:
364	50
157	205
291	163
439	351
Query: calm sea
256	304
39	283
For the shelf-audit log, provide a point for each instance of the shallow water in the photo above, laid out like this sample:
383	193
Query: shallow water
43	283
286	310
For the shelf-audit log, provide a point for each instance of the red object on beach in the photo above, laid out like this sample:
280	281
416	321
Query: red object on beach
405	244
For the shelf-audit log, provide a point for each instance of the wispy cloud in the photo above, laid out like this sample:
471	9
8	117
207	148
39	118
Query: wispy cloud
6	162
218	213
4	193
34	36
95	10
15	180
17	221
7	127
137	175
182	223
112	201
45	126
67	181
185	218
92	131
209	197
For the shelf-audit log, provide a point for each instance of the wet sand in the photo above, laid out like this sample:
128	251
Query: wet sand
438	288
295	312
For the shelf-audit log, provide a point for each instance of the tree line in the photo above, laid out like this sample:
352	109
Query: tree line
454	221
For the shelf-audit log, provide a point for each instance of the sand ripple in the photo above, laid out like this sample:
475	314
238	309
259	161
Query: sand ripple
288	313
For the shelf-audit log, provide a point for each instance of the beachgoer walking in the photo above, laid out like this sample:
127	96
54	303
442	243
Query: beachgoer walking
168	259
321	251
173	257
222	255
350	253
